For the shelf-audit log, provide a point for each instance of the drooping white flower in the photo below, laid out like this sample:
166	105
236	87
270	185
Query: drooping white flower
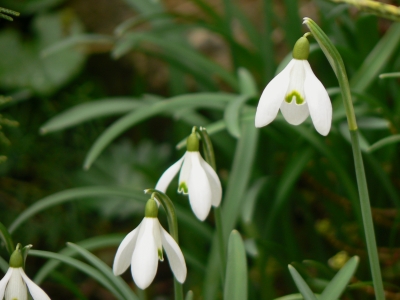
14	283
197	179
297	92
143	247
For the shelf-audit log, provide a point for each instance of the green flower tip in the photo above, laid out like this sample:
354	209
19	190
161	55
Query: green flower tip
192	143
301	49
151	210
16	260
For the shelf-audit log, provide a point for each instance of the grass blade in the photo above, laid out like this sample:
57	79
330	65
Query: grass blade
337	285
236	269
301	284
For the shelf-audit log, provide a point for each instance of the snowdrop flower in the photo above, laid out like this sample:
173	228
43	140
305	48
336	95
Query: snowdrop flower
197	178
142	248
298	93
14	283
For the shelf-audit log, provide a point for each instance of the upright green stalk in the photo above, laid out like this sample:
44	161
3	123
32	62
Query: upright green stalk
337	64
209	156
173	229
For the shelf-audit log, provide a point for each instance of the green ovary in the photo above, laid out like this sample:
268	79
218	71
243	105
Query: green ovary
296	95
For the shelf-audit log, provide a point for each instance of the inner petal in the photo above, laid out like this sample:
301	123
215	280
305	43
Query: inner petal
295	91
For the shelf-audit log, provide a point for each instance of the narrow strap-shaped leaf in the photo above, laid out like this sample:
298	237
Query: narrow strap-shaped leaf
82	193
293	170
232	203
301	284
74	194
77	40
247	84
291	297
232	115
116	281
85	268
236	269
384	142
6	238
189	295
3	265
251	197
89	244
87	111
377	59
337	285
206	100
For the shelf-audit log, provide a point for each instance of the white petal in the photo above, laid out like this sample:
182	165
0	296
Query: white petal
272	97
4	281
168	175
215	184
175	256
145	259
184	174
294	114
199	188
319	104
36	292
124	253
16	288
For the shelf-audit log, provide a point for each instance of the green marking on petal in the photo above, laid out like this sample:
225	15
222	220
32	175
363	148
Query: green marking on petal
160	255
183	188
298	98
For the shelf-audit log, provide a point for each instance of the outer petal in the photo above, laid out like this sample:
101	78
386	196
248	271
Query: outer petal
319	104
175	256
145	258
16	288
272	97
215	184
184	174
168	175
200	194
4	281
36	292
124	253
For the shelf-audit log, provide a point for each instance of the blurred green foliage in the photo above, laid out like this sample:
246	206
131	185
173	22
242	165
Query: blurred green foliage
291	193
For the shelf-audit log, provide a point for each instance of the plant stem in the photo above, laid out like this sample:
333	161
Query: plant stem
338	67
221	243
367	216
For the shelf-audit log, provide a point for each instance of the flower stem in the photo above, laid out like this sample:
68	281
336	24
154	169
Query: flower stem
209	156
367	216
337	64
173	229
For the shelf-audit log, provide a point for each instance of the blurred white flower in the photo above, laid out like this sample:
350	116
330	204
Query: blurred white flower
197	179
298	93
14	284
142	248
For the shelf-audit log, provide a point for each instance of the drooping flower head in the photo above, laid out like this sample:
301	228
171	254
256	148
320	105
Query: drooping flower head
196	179
15	282
143	247
297	92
